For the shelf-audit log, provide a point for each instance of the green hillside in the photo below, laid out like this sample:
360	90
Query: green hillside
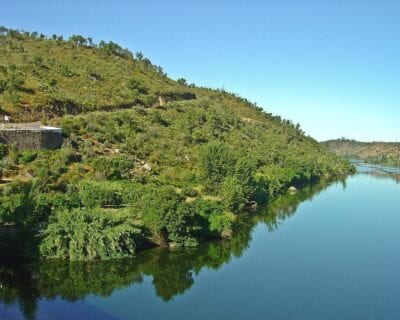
51	77
146	160
384	153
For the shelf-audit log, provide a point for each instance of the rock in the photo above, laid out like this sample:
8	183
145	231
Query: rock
146	167
251	205
161	101
292	189
226	233
173	245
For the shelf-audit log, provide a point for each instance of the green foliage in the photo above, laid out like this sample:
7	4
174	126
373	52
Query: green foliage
216	161
114	168
88	234
98	194
150	100
233	194
27	156
17	206
228	173
3	150
213	218
167	215
78	40
61	77
182	81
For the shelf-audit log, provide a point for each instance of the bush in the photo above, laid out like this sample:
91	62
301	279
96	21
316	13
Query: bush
88	234
167	215
213	219
114	168
96	194
149	100
27	156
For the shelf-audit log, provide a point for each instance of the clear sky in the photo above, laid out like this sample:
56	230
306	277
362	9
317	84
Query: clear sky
333	65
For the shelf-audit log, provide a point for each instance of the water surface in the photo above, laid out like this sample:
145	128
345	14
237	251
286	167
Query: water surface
330	251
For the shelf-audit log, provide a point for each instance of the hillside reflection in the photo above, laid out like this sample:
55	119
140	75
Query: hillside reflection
385	176
379	172
172	271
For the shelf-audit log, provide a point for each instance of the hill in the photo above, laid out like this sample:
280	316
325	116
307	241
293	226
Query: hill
42	77
383	153
146	160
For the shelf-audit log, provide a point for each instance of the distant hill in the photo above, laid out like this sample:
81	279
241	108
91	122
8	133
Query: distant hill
384	153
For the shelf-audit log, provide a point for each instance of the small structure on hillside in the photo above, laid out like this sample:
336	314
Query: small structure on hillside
31	136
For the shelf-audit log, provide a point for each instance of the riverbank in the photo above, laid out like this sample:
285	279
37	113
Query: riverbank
10	237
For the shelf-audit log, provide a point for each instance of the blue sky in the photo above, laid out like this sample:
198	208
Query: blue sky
333	66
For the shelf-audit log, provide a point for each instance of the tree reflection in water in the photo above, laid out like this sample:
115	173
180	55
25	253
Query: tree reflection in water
172	270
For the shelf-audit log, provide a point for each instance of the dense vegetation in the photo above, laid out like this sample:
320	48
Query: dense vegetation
383	153
146	160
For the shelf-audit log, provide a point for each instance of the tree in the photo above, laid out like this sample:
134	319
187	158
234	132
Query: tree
245	168
90	41
146	62
78	40
3	30
139	56
182	81
216	162
167	215
233	194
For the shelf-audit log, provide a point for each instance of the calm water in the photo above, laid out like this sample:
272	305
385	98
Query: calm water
328	252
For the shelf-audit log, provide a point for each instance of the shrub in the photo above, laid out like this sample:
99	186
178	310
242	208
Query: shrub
167	215
95	194
212	218
114	168
27	156
149	100
88	234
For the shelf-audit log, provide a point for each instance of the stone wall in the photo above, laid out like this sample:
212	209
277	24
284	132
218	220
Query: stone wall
32	139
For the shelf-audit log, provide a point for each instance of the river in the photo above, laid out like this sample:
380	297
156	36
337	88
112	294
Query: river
330	251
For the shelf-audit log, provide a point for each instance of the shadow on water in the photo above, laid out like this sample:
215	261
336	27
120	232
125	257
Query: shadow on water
172	271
